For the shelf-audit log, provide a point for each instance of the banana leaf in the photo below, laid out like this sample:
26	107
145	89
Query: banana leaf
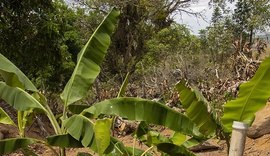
18	98
192	142
11	145
89	60
94	135
13	76
144	110
77	108
252	97
80	128
115	148
141	129
102	134
183	140
5	119
178	138
196	109
64	140
123	88
174	150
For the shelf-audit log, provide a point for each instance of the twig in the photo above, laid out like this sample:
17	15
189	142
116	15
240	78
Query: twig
147	150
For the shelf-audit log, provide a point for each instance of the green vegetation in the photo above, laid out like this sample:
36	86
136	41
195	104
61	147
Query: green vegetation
138	40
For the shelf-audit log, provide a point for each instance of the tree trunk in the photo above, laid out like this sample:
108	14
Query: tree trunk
251	35
241	42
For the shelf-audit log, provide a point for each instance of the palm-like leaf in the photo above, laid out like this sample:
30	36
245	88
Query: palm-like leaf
102	134
93	135
174	150
196	108
115	148
10	145
5	119
89	60
144	110
18	98
64	140
13	76
80	128
252	96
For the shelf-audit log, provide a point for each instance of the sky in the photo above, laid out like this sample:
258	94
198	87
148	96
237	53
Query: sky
195	24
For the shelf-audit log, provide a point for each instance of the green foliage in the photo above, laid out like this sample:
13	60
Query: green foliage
102	134
80	128
13	76
166	42
89	60
123	87
5	119
18	98
64	140
88	127
196	108
219	40
178	138
40	37
10	145
174	150
144	110
252	96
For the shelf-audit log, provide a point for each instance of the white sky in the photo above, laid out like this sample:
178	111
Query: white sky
195	24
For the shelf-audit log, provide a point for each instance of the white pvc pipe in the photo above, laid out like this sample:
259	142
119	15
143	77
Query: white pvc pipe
238	139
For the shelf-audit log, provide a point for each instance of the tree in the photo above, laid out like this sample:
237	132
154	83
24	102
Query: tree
40	37
251	15
139	21
217	15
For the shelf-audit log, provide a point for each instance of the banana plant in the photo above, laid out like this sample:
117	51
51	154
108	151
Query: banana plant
196	108
253	96
18	91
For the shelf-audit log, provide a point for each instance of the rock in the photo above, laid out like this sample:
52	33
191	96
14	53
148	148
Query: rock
261	124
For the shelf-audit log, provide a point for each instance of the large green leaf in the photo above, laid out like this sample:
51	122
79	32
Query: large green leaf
174	150
144	110
13	76
115	148
80	128
89	60
252	97
196	108
178	138
5	119
11	145
18	98
64	140
94	135
77	108
192	142
89	134
102	134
